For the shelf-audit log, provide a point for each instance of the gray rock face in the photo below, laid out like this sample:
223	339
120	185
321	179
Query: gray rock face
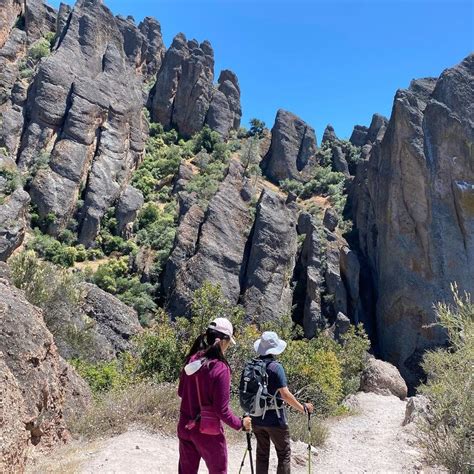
224	110
311	280
215	252
331	219
13	213
414	212
339	162
359	135
28	354
266	290
383	378
84	107
114	321
292	149
329	134
184	95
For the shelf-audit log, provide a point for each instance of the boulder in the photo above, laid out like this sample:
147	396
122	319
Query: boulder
330	219
413	213
339	162
383	378
116	322
39	383
292	151
266	287
128	205
342	325
418	408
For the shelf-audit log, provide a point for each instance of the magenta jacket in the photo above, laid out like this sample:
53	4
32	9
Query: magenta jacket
214	384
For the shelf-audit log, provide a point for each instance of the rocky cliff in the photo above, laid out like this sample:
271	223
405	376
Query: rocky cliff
413	209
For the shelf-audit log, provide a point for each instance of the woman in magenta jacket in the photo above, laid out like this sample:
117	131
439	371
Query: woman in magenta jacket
206	368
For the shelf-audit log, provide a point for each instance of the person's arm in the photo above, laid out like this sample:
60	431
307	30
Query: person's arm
221	398
289	398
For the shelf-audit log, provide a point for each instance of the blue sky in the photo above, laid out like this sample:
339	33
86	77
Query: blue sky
335	61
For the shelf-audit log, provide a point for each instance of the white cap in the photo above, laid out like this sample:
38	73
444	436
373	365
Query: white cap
269	343
224	326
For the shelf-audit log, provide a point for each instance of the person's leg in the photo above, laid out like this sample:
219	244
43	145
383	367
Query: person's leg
189	457
263	449
280	437
213	450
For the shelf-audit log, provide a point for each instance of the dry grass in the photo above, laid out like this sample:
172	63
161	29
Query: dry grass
151	406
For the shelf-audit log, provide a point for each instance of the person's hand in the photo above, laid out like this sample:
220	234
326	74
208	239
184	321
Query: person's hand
247	423
308	407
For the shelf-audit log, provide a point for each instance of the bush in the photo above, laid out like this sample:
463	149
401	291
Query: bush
10	180
292	186
103	376
39	49
114	278
447	433
206	139
53	250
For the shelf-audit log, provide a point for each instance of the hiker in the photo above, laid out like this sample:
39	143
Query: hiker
204	388
272	425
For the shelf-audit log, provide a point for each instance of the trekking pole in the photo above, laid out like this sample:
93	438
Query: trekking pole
243	460
249	449
309	439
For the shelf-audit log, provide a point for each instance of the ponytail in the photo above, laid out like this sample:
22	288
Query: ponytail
207	344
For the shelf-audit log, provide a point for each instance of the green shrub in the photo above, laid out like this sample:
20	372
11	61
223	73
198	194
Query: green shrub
102	376
10	180
114	278
292	186
39	49
53	250
448	432
206	139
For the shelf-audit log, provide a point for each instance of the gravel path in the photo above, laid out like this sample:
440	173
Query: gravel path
371	441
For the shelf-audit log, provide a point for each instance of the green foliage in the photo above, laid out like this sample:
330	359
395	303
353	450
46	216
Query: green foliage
157	229
10	180
114	277
206	139
292	186
257	127
102	376
39	49
447	433
53	250
250	157
160	352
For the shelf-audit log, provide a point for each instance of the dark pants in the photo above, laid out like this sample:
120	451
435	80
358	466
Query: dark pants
280	437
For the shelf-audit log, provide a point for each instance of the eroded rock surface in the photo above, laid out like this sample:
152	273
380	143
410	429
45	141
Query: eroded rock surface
292	149
38	382
414	212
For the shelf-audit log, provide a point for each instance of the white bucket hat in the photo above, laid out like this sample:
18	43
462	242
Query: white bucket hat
224	326
269	343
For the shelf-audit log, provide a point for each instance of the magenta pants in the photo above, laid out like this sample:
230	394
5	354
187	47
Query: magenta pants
193	446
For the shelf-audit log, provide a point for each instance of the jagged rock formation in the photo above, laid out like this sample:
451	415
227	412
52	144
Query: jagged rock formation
329	134
212	250
38	383
292	149
413	209
362	135
266	288
185	97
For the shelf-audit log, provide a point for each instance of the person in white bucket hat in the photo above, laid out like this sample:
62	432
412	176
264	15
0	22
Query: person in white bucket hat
273	425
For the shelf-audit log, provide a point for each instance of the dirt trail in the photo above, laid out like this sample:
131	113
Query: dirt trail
371	441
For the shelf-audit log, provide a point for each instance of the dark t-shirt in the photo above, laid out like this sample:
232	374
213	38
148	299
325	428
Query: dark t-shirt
276	380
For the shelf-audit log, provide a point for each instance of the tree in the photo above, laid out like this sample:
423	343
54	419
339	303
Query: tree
257	127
